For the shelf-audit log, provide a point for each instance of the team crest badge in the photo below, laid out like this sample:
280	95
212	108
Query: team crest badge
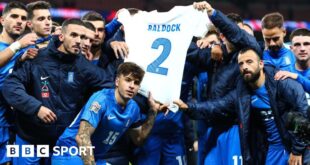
95	107
45	90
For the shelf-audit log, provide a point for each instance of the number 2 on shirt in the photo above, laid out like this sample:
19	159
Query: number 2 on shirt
154	66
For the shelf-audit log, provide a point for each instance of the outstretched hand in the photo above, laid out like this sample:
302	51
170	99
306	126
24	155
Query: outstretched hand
181	104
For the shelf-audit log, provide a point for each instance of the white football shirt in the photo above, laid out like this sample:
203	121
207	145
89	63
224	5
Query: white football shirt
158	42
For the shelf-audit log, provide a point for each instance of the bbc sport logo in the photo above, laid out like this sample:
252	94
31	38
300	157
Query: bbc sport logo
43	150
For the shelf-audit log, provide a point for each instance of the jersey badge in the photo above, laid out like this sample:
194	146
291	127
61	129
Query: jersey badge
95	107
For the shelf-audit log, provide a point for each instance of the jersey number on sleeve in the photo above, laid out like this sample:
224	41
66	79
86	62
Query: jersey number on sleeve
154	66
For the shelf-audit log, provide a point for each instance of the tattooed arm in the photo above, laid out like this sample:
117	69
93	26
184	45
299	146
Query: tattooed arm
138	135
83	139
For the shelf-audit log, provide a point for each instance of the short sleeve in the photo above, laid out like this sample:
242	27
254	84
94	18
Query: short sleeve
138	118
94	109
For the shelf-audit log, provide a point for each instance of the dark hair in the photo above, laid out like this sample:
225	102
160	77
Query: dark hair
300	32
244	50
213	31
90	26
133	11
130	68
72	21
54	25
272	20
93	16
13	5
36	6
247	25
235	17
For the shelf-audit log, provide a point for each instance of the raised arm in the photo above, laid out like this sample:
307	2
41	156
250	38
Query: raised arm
138	135
9	52
228	28
209	109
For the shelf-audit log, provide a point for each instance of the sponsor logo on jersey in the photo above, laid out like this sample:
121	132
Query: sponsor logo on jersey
44	78
110	117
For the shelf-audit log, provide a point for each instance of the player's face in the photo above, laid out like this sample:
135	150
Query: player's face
250	66
127	86
248	30
274	38
301	48
14	22
212	38
86	42
100	32
41	23
71	38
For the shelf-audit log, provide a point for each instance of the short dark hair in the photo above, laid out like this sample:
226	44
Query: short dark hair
130	68
247	25
93	16
213	31
133	11
244	50
90	26
235	17
272	20
300	32
14	5
36	6
54	26
72	21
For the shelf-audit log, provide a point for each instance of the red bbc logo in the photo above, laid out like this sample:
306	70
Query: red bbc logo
45	94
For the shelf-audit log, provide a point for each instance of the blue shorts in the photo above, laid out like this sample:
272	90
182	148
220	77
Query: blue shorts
28	160
161	150
4	140
277	155
73	160
226	150
306	156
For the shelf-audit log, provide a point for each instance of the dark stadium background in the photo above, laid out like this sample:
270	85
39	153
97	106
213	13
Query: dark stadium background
295	11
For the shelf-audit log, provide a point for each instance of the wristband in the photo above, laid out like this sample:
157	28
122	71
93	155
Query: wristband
15	46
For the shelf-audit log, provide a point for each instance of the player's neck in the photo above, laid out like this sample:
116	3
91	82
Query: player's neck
302	65
96	50
119	99
5	37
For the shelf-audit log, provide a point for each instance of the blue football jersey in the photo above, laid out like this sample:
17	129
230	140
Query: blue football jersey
261	103
283	59
304	79
108	118
4	72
